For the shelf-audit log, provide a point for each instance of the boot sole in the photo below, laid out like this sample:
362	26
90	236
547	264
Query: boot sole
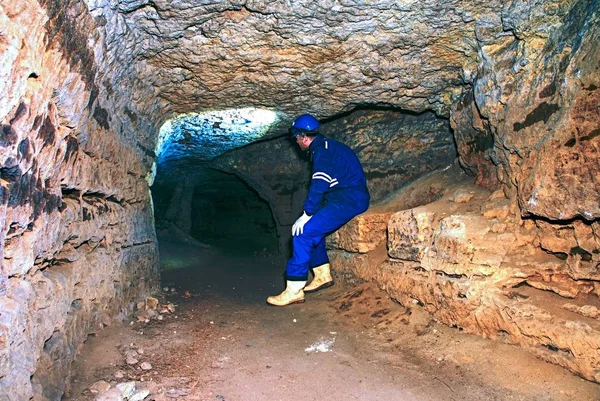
300	301
321	287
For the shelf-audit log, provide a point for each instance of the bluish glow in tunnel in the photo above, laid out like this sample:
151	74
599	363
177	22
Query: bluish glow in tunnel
205	136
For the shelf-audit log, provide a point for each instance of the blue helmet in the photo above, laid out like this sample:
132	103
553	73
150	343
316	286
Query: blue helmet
305	123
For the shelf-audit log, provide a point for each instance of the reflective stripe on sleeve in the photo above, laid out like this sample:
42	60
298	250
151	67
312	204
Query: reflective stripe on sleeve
325	177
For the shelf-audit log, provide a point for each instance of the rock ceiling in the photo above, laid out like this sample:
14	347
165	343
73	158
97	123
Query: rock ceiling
164	58
303	56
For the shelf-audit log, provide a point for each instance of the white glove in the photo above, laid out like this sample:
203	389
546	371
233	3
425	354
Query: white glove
298	227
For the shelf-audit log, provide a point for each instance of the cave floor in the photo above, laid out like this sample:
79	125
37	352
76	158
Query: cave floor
223	342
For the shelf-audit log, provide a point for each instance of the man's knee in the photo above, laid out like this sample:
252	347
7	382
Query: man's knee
303	240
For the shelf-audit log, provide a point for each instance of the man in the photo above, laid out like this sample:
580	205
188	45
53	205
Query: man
338	192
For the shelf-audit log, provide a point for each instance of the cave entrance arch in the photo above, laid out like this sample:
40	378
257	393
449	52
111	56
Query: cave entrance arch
224	212
196	203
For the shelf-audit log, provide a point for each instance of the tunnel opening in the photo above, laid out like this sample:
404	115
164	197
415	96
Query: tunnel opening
223	175
229	214
197	204
216	209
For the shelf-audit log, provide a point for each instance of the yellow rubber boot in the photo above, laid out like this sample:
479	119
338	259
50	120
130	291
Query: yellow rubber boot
321	280
292	294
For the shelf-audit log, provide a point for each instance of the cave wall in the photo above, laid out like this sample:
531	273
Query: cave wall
394	147
173	208
537	94
537	90
470	261
77	240
521	264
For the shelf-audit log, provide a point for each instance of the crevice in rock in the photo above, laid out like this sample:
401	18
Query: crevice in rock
137	244
559	255
565	352
562	223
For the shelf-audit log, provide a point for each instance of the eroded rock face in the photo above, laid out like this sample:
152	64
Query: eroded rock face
394	147
474	141
319	56
474	265
77	241
539	91
86	84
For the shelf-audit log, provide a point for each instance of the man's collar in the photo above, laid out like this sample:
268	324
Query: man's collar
319	139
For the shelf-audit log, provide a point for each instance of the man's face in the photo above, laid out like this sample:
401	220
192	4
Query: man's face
303	141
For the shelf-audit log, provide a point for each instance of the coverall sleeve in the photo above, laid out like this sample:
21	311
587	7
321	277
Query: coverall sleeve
320	183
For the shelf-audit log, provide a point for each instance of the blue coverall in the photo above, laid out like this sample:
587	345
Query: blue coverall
338	192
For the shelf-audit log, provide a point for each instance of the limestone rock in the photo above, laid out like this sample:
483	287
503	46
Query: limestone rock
362	234
586	310
547	139
100	387
496	284
496	209
462	196
410	233
127	389
474	141
394	147
461	245
317	52
131	360
139	395
562	285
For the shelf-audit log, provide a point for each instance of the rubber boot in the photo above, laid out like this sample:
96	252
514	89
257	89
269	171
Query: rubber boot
321	280
292	294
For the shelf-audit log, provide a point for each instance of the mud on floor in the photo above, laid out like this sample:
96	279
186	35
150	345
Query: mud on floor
185	351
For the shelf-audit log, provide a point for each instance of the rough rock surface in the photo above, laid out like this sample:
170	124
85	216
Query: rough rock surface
474	141
77	242
475	266
539	90
394	147
215	55
86	84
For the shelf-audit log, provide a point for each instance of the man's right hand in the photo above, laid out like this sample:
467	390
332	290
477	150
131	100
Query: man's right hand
298	227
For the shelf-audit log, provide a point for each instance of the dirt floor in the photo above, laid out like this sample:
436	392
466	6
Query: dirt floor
223	342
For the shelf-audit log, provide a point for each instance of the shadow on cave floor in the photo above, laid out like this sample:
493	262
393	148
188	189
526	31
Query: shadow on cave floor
239	244
348	342
238	270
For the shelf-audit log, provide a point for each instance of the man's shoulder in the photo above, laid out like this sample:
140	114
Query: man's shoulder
326	144
327	141
339	145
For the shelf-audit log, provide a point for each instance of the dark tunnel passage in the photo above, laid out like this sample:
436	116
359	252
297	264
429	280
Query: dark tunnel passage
214	208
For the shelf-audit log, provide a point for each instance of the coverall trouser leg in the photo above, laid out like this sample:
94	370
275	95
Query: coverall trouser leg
309	247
